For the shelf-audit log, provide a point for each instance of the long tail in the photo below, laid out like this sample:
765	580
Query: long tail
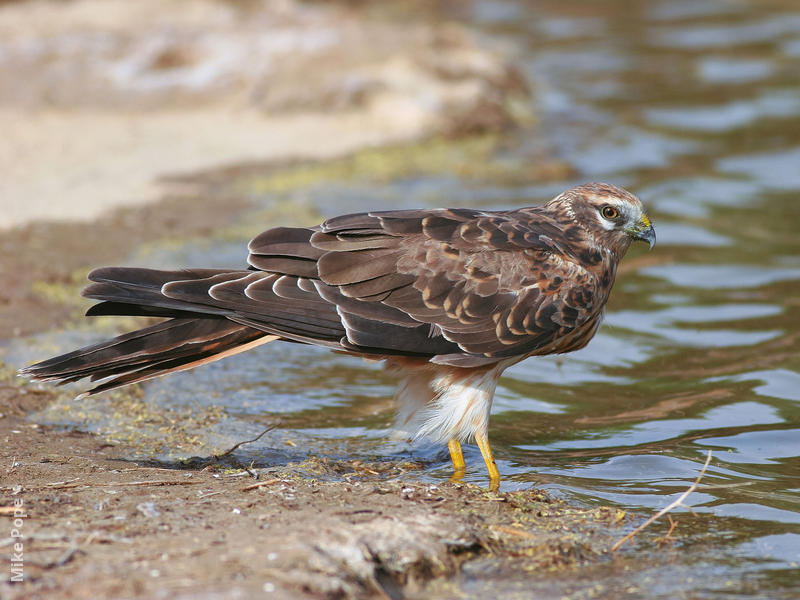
191	338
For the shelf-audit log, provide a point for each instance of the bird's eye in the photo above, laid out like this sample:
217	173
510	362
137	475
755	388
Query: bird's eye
609	212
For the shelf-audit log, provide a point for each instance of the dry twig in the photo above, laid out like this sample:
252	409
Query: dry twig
235	447
674	504
667	536
512	531
56	484
127	484
260	484
203	496
66	557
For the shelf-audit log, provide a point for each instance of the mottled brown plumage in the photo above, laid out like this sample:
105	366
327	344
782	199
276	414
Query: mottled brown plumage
450	297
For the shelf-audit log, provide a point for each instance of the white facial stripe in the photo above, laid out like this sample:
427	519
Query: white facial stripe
605	223
624	209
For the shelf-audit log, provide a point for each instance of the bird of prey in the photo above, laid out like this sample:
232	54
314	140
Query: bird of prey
448	298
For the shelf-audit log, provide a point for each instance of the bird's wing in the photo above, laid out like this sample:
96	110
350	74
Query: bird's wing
467	286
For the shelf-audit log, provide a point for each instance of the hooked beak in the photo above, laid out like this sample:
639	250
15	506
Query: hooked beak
644	231
648	235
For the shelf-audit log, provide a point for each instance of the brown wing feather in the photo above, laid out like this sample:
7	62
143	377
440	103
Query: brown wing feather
285	250
457	282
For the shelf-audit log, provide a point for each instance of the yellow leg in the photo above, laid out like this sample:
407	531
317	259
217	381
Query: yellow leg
457	455
491	466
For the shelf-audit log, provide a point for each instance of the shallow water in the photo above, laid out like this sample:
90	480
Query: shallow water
694	106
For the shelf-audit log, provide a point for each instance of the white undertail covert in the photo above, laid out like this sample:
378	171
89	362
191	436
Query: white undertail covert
443	403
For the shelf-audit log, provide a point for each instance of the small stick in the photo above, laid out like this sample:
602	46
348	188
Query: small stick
127	484
157	482
675	503
232	449
668	535
253	486
61	483
512	531
208	495
66	557
144	469
672	525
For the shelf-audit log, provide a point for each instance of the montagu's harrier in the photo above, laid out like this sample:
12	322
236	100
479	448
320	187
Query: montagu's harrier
449	298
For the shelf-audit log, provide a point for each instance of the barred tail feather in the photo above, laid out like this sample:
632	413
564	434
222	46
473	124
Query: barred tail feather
167	347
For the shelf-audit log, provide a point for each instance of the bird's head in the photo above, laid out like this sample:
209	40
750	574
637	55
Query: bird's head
612	216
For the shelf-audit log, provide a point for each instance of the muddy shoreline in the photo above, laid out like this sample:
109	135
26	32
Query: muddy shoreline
98	525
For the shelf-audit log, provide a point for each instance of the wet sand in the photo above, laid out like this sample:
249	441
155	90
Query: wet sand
98	525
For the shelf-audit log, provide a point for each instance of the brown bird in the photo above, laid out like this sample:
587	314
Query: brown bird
449	298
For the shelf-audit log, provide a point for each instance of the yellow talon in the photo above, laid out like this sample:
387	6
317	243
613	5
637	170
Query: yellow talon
491	466
457	455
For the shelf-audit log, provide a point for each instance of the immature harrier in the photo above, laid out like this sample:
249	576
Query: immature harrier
449	298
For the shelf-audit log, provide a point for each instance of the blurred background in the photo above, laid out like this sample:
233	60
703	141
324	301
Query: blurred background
101	98
290	112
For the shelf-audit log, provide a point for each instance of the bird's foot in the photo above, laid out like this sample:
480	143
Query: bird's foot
488	458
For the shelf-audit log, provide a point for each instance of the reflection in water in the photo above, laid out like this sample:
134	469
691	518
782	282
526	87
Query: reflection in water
691	104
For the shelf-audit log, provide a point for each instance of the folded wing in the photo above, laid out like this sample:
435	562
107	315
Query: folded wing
461	286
